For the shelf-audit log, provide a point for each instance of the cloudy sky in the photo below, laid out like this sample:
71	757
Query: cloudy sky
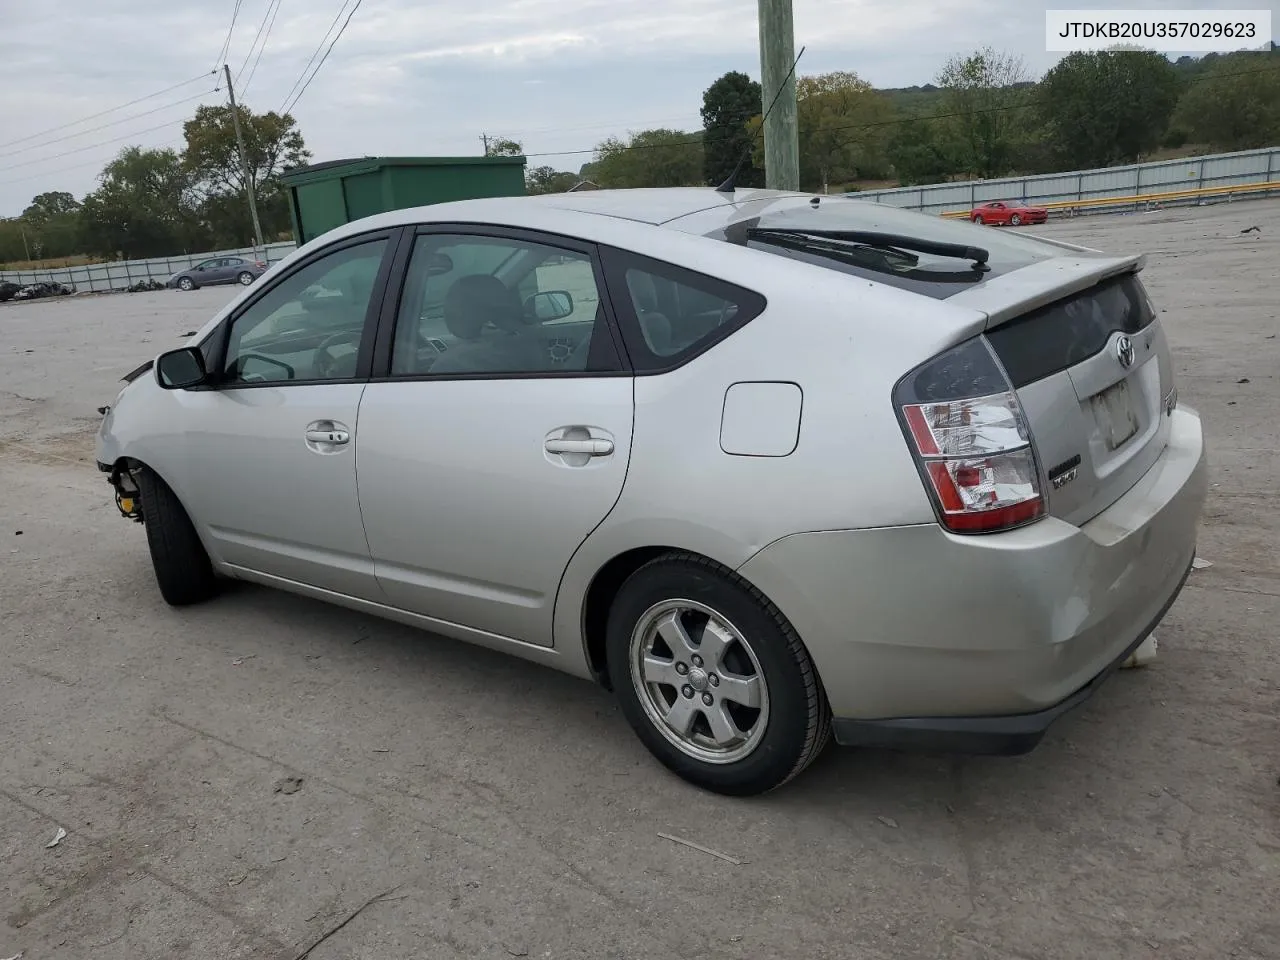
428	77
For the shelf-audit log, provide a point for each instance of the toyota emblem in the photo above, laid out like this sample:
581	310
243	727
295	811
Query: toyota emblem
1124	352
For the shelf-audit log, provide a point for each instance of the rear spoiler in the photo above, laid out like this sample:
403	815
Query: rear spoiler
1013	294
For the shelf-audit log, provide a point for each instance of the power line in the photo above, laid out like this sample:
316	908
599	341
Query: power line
261	49
168	144
332	44
226	44
315	53
94	146
103	113
104	126
256	37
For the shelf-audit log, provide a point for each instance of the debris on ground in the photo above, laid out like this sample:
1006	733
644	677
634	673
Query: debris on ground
707	850
1254	229
1243	380
1199	564
518	951
239	660
288	785
57	839
45	288
144	286
889	822
1144	654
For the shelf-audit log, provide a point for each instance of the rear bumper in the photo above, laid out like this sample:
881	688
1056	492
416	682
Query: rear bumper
996	736
945	641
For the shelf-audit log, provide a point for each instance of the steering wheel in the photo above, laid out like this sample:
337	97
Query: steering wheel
323	361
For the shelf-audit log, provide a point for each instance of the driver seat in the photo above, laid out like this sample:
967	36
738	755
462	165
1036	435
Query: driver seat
475	303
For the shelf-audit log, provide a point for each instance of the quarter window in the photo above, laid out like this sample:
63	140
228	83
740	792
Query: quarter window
309	325
672	314
476	305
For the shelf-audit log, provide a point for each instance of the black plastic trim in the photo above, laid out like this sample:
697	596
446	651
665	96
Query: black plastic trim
1004	736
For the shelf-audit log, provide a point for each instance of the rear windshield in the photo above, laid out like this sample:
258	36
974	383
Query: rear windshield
928	274
1068	331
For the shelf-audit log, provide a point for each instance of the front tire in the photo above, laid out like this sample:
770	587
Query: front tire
712	677
183	571
978	219
1016	220
186	284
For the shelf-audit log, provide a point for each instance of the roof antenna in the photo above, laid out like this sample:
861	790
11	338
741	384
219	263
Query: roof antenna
729	185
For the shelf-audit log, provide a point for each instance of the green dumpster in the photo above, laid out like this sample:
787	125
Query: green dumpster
326	195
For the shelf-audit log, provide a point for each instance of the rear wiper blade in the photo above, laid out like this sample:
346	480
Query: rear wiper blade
959	251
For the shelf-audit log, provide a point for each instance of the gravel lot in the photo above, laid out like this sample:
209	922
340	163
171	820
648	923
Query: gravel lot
455	803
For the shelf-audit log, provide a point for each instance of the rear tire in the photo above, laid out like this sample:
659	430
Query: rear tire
245	278
978	219
183	571
1016	220
690	698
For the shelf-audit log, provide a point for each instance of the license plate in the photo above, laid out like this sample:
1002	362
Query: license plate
1113	409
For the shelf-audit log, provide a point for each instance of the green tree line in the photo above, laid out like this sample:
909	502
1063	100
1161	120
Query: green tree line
153	202
983	116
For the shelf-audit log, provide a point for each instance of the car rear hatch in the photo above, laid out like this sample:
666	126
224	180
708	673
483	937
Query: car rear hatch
1082	345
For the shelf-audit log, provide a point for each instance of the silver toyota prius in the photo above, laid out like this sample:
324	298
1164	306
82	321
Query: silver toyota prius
772	467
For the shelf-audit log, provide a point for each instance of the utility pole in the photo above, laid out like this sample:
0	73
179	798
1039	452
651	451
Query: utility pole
781	128
244	164
484	138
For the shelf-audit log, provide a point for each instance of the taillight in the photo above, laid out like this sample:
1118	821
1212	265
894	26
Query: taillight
970	439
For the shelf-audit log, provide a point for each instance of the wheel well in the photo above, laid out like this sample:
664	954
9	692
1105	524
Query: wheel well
604	587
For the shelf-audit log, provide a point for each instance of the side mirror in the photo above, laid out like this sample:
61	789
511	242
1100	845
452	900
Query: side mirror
549	305
181	368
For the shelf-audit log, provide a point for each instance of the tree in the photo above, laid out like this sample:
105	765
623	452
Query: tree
47	206
548	180
1107	106
502	147
650	158
843	130
52	225
145	207
272	144
982	93
921	152
1234	104
727	108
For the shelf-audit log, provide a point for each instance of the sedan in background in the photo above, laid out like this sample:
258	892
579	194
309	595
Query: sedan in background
218	270
1007	213
773	468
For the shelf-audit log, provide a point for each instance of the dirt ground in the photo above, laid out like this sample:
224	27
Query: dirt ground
265	774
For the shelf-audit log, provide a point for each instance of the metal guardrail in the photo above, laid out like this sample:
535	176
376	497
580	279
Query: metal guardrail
1097	189
122	274
1146	199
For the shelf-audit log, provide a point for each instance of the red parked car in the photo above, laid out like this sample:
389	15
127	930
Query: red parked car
1007	212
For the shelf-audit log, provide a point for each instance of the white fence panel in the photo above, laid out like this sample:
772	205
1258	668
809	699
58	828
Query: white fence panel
122	274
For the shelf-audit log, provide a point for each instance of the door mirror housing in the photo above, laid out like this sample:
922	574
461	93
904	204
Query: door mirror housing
549	305
181	368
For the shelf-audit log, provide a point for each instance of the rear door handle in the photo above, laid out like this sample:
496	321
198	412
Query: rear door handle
592	448
328	436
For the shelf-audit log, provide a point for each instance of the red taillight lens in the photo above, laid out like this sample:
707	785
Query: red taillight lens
974	451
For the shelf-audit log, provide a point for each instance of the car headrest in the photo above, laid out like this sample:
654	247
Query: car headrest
472	302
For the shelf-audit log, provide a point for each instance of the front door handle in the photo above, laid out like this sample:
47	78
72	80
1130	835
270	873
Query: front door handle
591	447
328	436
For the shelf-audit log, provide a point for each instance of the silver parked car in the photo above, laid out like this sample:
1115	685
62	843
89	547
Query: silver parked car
218	270
767	465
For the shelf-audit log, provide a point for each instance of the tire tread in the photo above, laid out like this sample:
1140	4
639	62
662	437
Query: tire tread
183	571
